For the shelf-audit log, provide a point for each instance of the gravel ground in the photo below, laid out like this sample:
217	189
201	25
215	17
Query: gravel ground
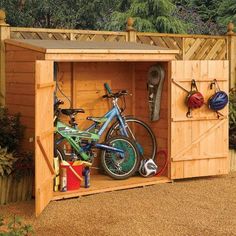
203	206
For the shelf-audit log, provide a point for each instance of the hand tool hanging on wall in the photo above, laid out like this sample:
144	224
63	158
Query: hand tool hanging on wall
156	75
194	98
218	100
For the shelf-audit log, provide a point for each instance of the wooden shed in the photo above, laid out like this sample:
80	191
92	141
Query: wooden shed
196	146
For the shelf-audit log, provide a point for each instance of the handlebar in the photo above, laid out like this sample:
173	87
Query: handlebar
107	87
114	95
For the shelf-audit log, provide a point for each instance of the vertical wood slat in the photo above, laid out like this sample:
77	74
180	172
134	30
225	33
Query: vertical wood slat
232	59
232	154
4	34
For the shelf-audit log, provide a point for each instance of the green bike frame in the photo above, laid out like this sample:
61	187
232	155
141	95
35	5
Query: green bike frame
74	136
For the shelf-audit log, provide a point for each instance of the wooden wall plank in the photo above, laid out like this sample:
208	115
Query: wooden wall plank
160	127
13	67
20	88
23	55
20	77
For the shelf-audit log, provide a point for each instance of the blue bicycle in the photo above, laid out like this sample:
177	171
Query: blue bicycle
119	157
128	126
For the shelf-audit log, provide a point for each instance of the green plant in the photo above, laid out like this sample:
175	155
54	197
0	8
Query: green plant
11	130
232	118
24	164
15	227
7	161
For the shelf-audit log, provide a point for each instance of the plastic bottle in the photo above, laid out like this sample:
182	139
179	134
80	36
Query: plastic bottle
86	177
63	180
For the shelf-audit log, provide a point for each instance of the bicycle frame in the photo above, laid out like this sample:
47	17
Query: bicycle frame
73	137
73	134
110	115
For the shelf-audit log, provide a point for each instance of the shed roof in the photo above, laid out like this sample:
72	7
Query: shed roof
95	51
52	46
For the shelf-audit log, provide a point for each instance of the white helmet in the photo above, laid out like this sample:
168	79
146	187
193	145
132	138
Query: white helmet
147	168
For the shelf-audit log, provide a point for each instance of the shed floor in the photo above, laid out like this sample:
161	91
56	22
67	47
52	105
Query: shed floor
103	183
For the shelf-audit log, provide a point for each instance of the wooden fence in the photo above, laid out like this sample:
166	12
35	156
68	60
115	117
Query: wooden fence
191	47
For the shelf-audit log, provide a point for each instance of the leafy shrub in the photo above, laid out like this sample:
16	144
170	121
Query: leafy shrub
232	118
11	130
7	161
24	164
14	228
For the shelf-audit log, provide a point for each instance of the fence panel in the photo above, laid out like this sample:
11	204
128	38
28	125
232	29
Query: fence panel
191	47
61	34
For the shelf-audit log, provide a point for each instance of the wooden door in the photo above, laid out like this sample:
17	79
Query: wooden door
199	145
44	171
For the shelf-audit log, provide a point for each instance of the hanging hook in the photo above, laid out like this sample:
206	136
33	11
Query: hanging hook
189	113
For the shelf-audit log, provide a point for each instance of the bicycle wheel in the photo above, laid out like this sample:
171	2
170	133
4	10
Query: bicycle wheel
120	166
141	133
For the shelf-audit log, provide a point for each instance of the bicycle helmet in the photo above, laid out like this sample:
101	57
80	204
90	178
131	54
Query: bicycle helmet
148	168
218	101
194	100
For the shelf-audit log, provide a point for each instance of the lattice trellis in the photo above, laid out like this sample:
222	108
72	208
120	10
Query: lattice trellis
205	48
39	35
81	36
100	37
163	41
191	48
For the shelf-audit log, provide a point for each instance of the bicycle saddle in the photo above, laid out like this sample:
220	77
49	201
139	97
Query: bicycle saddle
71	111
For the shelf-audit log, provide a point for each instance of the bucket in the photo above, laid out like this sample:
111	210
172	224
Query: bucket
73	181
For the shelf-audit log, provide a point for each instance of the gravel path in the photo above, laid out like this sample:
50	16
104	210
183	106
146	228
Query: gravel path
203	206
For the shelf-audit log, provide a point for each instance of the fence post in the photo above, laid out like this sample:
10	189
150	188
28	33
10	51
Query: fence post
231	54
4	34
132	36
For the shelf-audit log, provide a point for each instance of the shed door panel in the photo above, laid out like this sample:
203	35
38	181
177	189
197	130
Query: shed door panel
44	172
199	145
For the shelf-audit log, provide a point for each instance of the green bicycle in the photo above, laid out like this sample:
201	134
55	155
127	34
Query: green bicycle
119	157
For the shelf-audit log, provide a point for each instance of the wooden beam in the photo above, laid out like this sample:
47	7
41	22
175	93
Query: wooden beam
109	51
232	59
109	57
201	157
45	30
45	156
4	34
45	85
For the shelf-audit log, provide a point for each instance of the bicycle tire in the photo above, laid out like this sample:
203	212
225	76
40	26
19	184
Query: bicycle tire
114	164
148	144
